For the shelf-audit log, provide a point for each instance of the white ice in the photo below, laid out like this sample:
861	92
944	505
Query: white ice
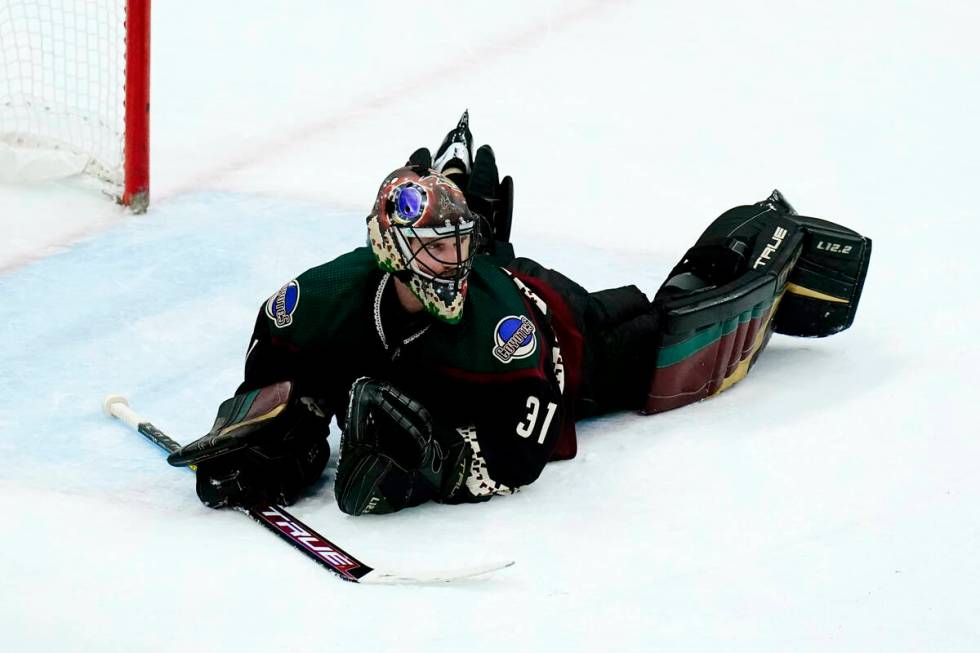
829	502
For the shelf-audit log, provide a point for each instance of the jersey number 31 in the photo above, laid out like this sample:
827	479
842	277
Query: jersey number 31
527	427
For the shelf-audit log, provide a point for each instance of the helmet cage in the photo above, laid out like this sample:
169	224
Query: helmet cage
449	282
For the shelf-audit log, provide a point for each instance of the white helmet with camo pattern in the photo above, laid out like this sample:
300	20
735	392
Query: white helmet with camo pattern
418	216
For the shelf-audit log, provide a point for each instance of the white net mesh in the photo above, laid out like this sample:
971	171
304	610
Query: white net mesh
62	80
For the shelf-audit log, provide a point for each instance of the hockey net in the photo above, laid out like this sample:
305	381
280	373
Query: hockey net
74	92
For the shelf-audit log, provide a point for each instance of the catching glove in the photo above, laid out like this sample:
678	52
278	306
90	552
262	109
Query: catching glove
389	458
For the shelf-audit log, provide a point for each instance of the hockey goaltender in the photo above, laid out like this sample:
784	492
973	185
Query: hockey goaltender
457	371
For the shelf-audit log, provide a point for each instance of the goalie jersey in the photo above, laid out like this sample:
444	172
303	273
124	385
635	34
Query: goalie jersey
502	379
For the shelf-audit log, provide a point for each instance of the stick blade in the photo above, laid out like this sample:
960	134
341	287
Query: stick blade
380	577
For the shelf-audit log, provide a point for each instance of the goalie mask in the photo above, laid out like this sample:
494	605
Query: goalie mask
422	231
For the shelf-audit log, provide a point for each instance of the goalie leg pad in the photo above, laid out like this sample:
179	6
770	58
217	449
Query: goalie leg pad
718	304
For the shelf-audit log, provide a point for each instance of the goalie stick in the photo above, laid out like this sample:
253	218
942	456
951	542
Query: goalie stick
292	530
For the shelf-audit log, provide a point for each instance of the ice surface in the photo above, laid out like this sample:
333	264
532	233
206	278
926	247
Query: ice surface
829	502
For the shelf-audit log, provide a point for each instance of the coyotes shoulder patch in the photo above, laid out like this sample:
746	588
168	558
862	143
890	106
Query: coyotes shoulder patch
282	305
514	338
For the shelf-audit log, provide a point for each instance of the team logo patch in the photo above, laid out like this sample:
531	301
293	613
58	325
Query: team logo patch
514	338
282	305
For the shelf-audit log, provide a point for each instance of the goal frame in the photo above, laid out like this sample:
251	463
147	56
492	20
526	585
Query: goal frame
136	146
75	94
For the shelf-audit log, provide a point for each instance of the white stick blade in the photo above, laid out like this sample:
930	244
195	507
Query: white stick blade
379	577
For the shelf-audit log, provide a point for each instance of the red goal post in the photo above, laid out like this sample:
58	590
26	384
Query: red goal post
75	93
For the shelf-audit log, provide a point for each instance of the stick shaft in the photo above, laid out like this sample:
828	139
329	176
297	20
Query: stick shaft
157	437
132	419
273	517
